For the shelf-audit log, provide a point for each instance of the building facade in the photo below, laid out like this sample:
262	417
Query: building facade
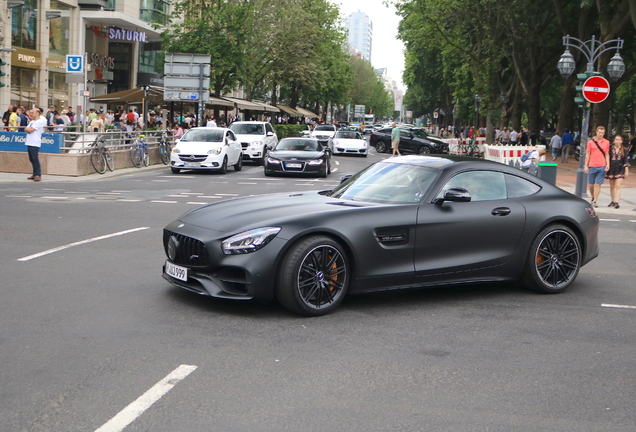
119	43
360	33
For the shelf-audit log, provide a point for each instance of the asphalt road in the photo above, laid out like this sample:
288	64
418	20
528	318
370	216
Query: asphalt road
88	329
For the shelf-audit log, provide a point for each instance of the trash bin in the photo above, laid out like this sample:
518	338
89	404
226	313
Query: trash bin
548	171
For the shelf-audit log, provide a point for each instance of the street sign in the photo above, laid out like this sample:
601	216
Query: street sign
359	110
596	89
86	93
435	114
184	69
193	96
74	64
185	82
188	58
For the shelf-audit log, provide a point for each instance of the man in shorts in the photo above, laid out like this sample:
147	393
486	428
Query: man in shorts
395	139
596	163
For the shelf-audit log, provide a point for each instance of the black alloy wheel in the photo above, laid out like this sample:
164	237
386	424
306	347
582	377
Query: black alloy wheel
239	165
424	150
380	147
313	278
554	260
223	169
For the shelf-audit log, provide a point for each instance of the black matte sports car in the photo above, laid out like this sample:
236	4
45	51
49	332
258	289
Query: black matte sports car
412	140
299	156
405	222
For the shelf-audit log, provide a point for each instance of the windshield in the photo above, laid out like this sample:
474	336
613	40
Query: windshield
387	183
298	144
346	135
419	133
206	135
325	128
247	129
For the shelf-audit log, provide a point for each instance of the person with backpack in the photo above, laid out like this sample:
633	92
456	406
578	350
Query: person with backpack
597	163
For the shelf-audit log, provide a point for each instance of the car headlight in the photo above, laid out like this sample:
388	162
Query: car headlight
176	150
257	143
272	160
315	162
215	151
336	142
249	241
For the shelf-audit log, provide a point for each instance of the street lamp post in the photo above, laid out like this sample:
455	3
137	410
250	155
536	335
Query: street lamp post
615	69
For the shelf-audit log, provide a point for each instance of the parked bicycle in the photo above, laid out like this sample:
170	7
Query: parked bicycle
164	148
139	152
473	148
101	158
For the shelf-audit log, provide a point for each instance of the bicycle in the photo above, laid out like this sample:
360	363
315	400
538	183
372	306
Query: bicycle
164	148
473	149
100	156
139	152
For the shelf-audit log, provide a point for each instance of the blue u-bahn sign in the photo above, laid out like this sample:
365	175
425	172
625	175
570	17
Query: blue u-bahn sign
15	141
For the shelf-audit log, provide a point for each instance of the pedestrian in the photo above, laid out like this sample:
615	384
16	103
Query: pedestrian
596	163
6	115
513	136
211	122
555	145
131	116
530	164
14	120
58	122
395	139
523	138
619	169
23	119
505	136
33	141
97	124
567	140
70	113
534	137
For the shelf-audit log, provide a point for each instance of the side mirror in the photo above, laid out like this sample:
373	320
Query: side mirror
344	178
270	133
455	194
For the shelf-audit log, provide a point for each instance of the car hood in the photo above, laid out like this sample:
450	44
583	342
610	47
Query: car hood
324	133
240	214
349	142
197	147
250	138
287	155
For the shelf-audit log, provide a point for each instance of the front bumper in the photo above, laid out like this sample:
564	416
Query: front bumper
196	162
238	277
287	167
252	152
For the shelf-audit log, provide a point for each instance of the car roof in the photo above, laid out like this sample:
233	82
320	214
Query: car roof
444	161
249	122
207	128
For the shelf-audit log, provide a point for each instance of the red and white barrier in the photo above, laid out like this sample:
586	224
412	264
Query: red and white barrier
458	146
505	154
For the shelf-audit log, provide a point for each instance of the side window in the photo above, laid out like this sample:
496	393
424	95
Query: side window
268	128
231	136
404	133
482	185
518	187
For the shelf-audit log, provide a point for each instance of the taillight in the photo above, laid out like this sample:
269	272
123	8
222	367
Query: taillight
591	211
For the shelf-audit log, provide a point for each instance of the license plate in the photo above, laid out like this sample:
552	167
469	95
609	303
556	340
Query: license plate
176	271
193	164
294	165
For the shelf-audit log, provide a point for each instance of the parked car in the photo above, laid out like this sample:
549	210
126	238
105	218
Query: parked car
411	141
405	222
299	156
368	129
255	138
206	148
349	142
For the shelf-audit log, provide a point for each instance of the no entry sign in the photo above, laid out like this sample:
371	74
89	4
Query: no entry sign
596	89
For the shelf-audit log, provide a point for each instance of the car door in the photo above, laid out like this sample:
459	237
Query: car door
458	240
235	150
407	143
272	140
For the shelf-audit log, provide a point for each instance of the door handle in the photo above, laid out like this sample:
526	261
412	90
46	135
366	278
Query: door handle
500	211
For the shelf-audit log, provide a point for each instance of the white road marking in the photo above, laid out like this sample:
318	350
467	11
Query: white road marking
245	183
161	180
334	170
122	191
632	220
146	400
337	162
206	196
617	306
197	203
70	245
163	202
610	220
52	189
56	198
72	192
128	200
18	196
108	193
190	193
228	194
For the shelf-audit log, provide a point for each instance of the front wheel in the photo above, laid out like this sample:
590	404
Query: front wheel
136	156
164	153
239	165
314	277
145	157
109	160
223	169
554	260
98	161
424	150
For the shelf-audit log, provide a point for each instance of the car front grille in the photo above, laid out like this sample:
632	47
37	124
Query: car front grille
190	252
192	158
245	145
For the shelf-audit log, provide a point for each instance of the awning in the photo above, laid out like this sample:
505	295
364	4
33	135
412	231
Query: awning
131	96
266	107
243	104
289	110
305	112
219	102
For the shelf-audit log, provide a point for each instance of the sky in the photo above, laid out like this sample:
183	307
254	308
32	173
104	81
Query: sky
387	50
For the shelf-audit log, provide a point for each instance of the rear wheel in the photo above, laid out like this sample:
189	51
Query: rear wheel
109	159
314	277
136	156
380	147
424	150
163	152
554	260
145	156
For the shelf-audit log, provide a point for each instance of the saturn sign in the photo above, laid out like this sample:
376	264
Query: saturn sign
74	64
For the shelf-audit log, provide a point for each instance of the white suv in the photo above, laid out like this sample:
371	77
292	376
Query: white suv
255	138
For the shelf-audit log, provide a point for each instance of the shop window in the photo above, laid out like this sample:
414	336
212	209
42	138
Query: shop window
23	86
24	25
59	30
58	90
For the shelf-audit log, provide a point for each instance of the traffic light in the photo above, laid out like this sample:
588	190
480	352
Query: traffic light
582	77
2	73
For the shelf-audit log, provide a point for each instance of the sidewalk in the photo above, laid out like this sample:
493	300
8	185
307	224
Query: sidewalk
22	178
566	180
